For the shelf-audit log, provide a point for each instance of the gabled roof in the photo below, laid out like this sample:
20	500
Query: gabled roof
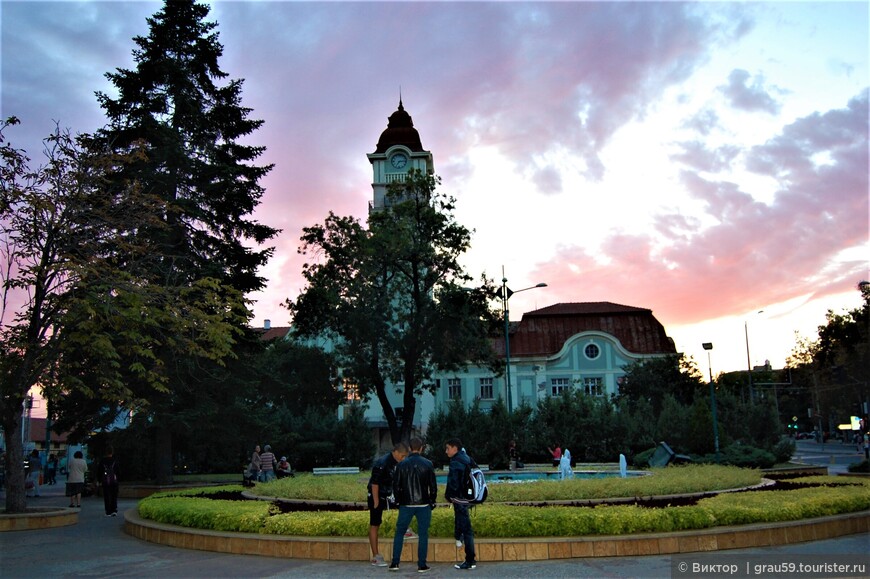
274	333
544	332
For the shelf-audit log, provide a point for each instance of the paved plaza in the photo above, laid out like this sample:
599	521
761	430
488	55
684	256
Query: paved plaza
98	547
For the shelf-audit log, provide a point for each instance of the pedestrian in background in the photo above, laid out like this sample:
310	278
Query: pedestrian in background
110	475
75	479
34	471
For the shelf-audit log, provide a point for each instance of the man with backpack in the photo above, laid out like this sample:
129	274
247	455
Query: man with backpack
460	464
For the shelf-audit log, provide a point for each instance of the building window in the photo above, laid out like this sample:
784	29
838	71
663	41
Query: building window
454	388
593	386
486	389
351	391
558	385
592	351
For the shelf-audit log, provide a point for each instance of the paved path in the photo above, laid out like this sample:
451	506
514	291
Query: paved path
98	547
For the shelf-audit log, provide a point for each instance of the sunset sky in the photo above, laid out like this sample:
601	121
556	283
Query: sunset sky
705	160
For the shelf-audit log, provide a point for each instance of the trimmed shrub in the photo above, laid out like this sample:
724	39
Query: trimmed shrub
784	449
499	520
863	466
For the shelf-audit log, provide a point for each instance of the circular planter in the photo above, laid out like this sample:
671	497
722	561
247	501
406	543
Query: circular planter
39	518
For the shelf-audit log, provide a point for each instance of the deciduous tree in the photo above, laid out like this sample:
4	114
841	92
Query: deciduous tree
393	298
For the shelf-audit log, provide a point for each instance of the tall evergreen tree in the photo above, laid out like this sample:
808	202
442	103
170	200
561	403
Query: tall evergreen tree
178	107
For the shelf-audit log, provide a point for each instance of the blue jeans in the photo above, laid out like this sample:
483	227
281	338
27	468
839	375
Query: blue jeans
462	530
424	517
266	475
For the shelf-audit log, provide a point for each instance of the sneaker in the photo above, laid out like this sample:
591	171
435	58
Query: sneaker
114	514
458	543
378	561
393	567
467	565
409	534
424	569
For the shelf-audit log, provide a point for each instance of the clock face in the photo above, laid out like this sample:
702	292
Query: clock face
399	160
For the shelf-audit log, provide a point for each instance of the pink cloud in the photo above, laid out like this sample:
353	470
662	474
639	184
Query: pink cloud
756	253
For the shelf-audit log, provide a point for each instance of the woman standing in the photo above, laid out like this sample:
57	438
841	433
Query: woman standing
75	480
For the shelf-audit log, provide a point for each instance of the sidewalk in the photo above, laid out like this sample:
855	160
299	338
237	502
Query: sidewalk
98	547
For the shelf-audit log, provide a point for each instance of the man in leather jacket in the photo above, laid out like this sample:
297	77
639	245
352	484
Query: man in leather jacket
415	490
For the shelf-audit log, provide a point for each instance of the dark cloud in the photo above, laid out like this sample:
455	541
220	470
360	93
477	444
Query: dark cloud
748	97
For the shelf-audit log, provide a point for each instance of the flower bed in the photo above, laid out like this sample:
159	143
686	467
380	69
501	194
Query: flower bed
828	496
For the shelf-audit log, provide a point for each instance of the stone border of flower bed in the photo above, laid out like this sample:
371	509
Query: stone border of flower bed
526	549
39	518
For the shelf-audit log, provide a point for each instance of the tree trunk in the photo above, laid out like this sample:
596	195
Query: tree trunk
16	501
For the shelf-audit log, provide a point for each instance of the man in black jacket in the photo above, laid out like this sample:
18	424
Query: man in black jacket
380	489
462	531
415	490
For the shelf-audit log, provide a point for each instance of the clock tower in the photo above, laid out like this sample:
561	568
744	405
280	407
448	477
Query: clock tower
399	150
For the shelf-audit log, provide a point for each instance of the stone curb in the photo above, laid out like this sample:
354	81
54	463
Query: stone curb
523	549
39	518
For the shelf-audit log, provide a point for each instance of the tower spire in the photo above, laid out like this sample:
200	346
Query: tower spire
401	108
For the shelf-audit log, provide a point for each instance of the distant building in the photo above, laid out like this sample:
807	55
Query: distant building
582	346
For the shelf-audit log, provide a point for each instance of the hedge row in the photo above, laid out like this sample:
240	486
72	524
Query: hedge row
664	481
497	520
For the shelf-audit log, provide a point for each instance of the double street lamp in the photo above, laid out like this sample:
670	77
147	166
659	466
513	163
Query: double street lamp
505	294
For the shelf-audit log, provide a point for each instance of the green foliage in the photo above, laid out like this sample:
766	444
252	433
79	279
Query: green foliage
745	456
353	437
833	368
784	449
863	466
641	459
392	298
500	520
204	249
654	379
673	424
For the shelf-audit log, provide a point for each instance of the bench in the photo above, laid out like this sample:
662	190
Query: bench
337	470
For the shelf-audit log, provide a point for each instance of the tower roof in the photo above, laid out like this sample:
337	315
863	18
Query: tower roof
400	131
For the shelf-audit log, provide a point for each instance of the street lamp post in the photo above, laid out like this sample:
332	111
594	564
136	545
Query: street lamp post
506	294
748	359
709	346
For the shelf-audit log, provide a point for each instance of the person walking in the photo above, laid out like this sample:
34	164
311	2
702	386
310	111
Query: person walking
51	470
415	490
380	488
254	466
75	479
513	455
34	470
109	469
462	531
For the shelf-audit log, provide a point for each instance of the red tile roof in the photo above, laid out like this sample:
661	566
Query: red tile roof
274	333
544	332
